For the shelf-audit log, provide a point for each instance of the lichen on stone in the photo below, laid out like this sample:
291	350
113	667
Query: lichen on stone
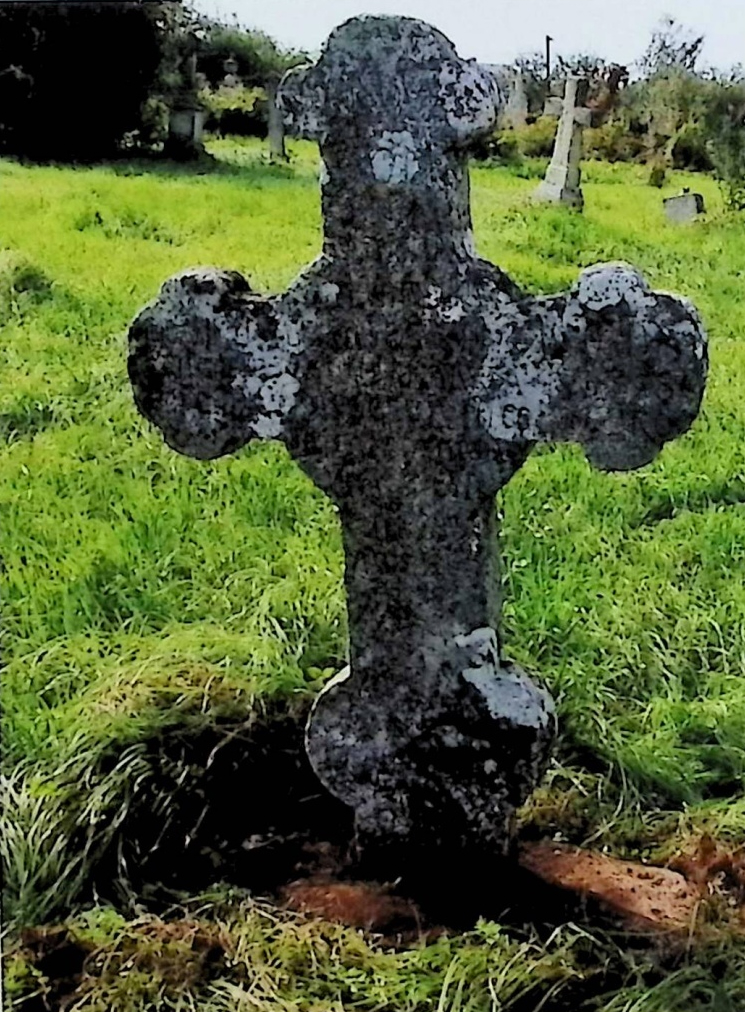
411	380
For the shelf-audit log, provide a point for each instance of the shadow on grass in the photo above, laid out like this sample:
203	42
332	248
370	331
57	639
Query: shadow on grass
666	505
240	804
253	167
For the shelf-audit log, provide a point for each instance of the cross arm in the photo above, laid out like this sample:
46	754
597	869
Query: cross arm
212	364
611	365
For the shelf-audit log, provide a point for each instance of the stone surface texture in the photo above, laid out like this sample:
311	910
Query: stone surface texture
684	208
562	182
646	898
515	109
410	379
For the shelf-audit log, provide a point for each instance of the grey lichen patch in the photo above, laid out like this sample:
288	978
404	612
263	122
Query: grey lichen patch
411	380
612	365
211	363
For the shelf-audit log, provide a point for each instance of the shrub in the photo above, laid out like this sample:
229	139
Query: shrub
21	284
690	149
657	173
501	147
725	128
537	139
613	142
240	111
73	77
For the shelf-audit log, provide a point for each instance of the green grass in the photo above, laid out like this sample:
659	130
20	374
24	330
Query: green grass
142	590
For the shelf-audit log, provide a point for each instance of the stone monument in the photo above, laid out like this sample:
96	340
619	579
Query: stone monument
517	107
186	116
684	208
410	379
230	68
561	184
275	126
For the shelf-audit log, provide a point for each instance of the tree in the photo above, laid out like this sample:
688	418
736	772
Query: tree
605	79
664	107
672	47
725	129
74	76
260	64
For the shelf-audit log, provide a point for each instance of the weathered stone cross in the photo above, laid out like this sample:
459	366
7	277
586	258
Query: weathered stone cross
410	379
561	184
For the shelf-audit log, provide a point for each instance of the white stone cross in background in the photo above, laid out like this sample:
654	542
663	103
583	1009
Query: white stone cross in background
562	182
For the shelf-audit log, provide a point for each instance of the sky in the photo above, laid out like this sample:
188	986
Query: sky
495	31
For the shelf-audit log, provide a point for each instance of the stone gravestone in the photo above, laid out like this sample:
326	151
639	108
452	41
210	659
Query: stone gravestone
185	130
516	111
683	208
186	117
561	184
410	379
554	101
276	127
230	67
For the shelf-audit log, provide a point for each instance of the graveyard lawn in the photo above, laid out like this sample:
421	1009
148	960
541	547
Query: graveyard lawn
166	623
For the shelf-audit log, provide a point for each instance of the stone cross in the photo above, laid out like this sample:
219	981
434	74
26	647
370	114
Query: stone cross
561	184
410	379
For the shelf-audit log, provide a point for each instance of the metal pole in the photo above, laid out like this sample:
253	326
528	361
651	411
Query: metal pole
549	40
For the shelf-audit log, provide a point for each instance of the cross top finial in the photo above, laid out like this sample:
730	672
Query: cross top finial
389	75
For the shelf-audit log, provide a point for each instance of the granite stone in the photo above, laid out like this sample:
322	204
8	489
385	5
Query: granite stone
410	379
684	207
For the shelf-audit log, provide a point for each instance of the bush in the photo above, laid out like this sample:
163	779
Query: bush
536	140
613	142
500	147
691	150
239	111
725	129
657	173
73	77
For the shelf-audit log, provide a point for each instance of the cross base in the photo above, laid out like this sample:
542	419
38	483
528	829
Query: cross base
451	770
549	193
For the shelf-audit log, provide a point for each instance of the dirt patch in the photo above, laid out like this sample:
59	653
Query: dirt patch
60	958
235	802
239	803
177	954
357	904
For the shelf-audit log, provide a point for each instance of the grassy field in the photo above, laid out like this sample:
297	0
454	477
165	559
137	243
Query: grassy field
143	592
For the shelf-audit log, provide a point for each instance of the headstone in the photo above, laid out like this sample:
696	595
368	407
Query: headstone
553	106
515	93
276	127
561	184
516	112
186	116
185	131
231	79
554	100
411	379
684	208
